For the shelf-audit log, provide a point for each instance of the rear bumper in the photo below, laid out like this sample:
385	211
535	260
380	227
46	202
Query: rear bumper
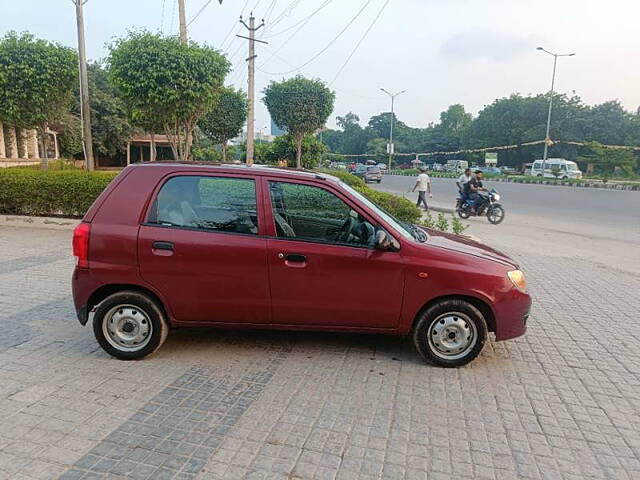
82	285
511	315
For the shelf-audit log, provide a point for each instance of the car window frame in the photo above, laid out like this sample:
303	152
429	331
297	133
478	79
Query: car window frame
270	221
144	217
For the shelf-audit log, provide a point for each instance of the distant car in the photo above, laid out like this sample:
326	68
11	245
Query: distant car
369	173
491	170
382	166
508	170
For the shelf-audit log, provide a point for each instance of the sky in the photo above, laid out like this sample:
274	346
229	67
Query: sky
441	52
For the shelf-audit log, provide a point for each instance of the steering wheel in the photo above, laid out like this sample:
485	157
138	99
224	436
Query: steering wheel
346	230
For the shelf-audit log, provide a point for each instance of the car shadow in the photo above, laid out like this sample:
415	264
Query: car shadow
377	346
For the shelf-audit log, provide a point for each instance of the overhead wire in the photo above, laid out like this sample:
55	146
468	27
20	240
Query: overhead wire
364	36
162	17
331	42
173	17
324	4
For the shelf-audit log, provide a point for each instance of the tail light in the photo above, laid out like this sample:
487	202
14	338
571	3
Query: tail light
81	244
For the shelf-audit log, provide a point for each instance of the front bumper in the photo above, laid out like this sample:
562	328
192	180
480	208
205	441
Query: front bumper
511	315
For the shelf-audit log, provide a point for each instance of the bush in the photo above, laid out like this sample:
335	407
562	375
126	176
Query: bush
67	193
399	207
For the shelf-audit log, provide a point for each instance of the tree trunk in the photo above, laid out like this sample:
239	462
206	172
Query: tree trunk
152	153
188	140
44	158
224	151
299	151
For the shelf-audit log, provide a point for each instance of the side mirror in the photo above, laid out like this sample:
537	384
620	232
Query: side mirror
386	242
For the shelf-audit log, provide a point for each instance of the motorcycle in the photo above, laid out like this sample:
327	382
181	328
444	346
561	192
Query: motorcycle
487	205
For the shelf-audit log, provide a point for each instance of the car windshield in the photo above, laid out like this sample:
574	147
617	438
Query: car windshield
407	230
572	166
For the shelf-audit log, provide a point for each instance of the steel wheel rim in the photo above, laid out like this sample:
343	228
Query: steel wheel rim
452	335
127	328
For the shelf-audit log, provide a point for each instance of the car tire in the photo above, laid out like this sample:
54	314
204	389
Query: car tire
129	325
450	333
379	181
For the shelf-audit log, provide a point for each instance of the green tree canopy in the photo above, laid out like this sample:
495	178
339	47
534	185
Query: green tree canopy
226	119
300	105
163	78
36	78
284	148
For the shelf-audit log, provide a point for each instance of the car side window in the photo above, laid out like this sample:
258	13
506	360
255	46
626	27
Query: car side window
311	213
209	203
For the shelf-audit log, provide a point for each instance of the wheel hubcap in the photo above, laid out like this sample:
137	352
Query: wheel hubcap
127	327
452	336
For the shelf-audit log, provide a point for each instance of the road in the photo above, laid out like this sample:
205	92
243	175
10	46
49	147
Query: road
599	225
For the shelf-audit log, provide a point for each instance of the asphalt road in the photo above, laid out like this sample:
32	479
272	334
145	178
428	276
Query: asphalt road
600	225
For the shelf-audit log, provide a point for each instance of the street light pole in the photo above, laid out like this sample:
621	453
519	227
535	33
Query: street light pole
393	99
547	139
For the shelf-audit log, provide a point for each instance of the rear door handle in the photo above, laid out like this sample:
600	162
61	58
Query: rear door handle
163	246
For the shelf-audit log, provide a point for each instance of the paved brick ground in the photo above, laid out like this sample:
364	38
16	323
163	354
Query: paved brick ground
561	402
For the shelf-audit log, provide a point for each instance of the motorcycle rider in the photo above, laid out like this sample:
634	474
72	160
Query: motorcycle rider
463	179
472	187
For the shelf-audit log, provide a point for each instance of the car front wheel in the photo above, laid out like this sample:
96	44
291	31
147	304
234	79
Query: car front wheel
129	325
450	333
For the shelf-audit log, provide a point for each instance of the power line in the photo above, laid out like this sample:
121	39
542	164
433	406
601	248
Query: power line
173	16
286	11
333	40
202	9
324	4
256	5
270	9
375	20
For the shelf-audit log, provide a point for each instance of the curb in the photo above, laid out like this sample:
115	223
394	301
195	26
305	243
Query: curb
25	221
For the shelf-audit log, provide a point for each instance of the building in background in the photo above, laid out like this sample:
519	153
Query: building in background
276	131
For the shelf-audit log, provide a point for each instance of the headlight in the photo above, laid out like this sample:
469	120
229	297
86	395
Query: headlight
517	278
496	197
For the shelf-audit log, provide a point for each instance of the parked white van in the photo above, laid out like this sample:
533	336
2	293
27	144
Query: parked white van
567	168
456	165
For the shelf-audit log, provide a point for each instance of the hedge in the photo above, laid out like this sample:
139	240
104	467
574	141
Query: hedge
69	193
399	207
65	193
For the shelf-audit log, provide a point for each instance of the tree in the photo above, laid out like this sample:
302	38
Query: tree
176	83
300	105
226	119
608	159
285	148
35	76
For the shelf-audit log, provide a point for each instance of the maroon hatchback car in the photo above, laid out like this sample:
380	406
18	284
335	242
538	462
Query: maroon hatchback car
177	245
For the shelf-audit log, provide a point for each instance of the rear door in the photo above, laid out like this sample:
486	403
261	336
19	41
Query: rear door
201	247
323	268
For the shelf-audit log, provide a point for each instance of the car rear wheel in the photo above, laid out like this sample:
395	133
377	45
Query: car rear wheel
450	333
129	325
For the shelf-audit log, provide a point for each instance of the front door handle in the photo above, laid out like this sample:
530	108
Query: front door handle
295	257
293	260
163	246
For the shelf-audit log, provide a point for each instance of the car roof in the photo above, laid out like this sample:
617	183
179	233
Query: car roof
264	170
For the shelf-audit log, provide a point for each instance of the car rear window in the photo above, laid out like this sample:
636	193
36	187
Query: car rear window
206	202
373	169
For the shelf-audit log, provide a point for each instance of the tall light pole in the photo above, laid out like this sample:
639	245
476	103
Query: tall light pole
547	140
393	99
85	108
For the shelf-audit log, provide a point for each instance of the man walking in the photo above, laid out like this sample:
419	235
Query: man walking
423	184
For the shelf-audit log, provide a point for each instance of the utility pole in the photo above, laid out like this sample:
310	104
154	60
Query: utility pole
547	139
391	148
85	109
183	21
251	94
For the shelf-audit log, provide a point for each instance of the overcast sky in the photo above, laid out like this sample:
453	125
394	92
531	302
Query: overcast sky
441	51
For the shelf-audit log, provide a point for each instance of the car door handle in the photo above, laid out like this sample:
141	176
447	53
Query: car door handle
293	260
166	246
295	257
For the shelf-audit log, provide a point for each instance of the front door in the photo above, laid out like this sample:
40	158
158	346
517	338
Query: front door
200	247
323	268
